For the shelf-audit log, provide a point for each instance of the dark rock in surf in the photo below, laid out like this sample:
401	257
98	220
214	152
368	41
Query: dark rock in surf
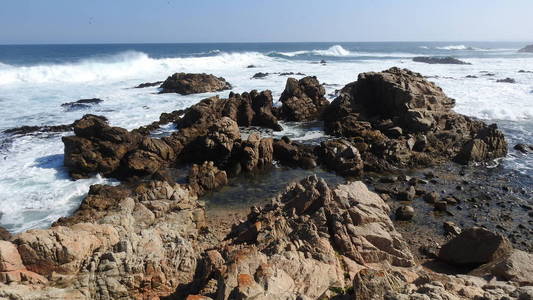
527	49
81	104
302	100
188	83
26	130
291	73
523	148
148	84
440	60
260	75
506	80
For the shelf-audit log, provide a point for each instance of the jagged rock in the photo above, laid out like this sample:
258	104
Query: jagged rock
81	104
310	239
440	60
527	49
140	245
516	266
475	246
187	83
488	143
255	153
216	145
371	111
302	100
247	109
206	177
341	157
97	147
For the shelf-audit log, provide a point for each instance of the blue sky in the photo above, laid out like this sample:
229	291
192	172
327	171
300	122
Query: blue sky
122	21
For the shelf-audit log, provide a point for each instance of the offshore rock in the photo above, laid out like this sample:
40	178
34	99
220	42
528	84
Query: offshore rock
440	60
188	83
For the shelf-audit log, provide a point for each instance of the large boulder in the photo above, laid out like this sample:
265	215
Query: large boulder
475	246
187	83
396	118
302	100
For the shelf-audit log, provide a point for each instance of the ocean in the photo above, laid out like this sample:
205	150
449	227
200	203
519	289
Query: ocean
35	80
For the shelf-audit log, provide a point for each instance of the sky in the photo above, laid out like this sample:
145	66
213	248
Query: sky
169	21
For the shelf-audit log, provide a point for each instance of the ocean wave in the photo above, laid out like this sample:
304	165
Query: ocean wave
130	64
456	47
338	51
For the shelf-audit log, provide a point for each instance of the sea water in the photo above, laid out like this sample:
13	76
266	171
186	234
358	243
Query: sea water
35	80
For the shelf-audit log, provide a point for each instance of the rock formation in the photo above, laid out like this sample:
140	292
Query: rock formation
187	83
398	118
303	100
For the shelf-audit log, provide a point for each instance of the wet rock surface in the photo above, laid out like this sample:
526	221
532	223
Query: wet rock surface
187	83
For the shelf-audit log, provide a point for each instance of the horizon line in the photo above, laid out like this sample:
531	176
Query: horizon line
270	42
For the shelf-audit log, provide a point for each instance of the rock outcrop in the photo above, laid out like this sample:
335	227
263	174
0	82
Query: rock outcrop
302	100
440	60
247	109
117	246
187	83
311	239
398	118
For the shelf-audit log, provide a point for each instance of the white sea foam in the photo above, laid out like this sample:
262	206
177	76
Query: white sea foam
455	47
118	67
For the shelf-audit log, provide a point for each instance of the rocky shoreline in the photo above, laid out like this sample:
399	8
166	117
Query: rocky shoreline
388	232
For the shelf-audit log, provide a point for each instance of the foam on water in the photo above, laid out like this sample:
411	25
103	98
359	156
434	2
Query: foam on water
35	189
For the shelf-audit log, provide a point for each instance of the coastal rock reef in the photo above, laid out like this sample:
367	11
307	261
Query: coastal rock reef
151	236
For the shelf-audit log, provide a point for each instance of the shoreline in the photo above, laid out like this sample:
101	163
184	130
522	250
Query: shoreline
121	219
